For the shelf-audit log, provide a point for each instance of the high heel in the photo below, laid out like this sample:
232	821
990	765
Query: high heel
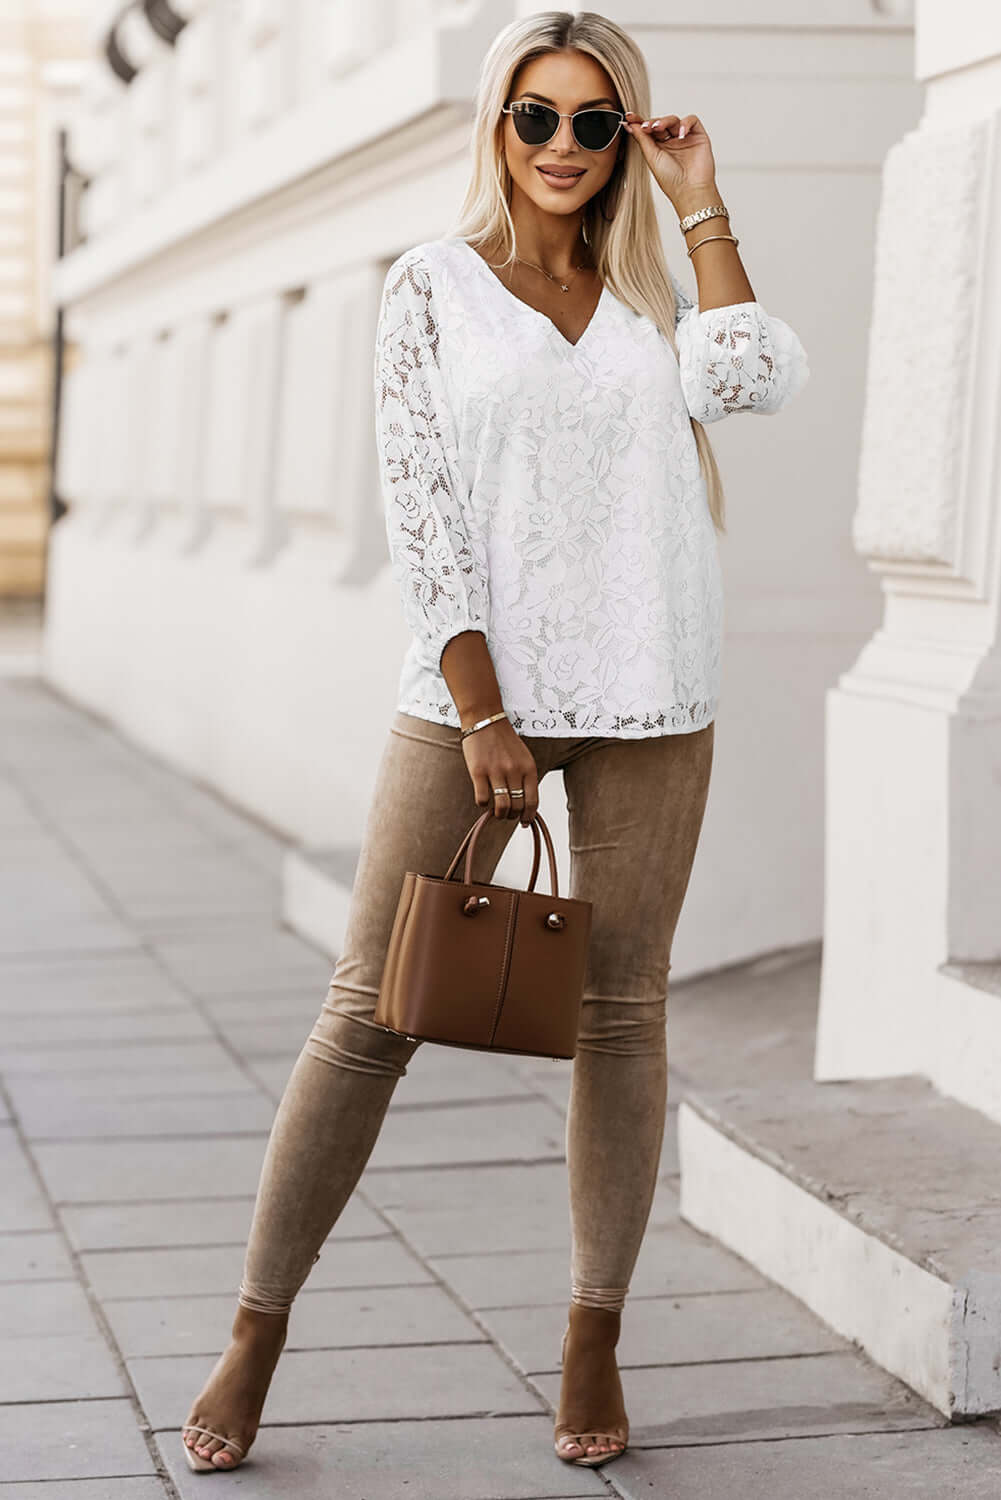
601	1325
203	1465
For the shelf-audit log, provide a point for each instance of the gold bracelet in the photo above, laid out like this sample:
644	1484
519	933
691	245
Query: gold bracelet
712	211
706	238
481	723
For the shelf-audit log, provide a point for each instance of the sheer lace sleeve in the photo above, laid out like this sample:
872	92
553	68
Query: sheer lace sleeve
736	358
437	556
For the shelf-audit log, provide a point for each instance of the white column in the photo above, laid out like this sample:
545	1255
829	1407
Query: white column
913	853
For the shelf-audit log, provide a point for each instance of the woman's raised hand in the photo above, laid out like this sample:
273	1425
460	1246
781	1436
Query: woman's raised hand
677	151
497	756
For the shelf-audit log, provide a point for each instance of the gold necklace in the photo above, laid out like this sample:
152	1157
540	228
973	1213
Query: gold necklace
562	284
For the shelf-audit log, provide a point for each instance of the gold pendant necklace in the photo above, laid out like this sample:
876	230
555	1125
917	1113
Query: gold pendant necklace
562	284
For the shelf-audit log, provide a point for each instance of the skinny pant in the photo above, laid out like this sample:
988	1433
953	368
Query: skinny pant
635	810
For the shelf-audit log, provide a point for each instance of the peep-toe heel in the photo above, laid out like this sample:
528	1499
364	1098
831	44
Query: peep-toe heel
203	1465
617	1431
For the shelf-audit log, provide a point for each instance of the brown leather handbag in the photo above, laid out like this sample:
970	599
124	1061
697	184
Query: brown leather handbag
486	966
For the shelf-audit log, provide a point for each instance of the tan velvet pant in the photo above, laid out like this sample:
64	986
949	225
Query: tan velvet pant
635	813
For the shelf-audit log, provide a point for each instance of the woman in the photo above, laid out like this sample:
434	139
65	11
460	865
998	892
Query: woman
551	508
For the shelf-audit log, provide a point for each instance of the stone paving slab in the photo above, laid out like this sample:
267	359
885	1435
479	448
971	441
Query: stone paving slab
24	1207
66	1116
34	1256
115	1172
521	1130
166	1058
16	816
161	915
448	1075
299	1002
957	1463
163	1245
195	1221
175	896
57	1368
44	891
36	1309
252	1037
87	1489
72	1440
669	1262
36	1091
242	957
352	1385
500	1458
64	984
193	1272
88	1032
336	1319
749	1400
692	1329
21	935
456	1210
272	1072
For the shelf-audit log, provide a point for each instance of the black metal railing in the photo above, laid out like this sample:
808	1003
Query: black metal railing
69	187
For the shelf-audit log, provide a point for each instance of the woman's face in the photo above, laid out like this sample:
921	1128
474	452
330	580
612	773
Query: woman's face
567	80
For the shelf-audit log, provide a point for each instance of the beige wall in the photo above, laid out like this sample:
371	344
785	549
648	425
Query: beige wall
33	37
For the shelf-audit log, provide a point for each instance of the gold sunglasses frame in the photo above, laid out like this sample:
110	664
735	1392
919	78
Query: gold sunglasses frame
508	109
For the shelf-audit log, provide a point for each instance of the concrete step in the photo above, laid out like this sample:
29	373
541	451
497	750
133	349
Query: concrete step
316	893
967	1020
877	1203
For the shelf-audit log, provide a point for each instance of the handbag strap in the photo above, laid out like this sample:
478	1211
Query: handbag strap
473	833
473	828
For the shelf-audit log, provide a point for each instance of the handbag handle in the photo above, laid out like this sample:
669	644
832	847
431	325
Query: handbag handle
473	833
474	829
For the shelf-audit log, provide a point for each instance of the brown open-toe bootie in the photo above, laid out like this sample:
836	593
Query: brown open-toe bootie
592	1413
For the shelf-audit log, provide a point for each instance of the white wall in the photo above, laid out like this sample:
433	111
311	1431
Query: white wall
220	588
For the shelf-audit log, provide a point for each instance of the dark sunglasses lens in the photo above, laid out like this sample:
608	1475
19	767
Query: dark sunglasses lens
535	123
595	128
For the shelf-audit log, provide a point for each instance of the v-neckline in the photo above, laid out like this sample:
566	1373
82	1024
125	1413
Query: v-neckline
534	311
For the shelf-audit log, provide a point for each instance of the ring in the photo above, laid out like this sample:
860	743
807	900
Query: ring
516	794
501	789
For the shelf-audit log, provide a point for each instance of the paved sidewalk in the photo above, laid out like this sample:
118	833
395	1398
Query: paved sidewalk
151	1005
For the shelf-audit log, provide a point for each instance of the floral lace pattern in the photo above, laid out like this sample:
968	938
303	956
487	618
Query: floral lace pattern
736	358
549	494
437	563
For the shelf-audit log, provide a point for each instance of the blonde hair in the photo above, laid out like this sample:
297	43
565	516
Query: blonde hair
629	256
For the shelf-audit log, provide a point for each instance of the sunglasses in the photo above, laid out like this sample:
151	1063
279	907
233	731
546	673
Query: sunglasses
593	129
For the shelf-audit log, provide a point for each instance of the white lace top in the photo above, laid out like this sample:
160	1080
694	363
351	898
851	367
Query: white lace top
549	494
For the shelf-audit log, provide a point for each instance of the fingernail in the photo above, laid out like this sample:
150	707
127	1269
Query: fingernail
681	132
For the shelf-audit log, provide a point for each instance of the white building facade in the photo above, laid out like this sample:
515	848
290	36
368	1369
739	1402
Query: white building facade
220	588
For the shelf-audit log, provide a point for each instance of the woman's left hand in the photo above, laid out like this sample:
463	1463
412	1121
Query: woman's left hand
677	151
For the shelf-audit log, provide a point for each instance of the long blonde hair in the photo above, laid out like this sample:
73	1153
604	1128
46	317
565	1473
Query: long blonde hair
629	256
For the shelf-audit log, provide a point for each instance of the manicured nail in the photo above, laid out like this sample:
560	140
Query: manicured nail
681	132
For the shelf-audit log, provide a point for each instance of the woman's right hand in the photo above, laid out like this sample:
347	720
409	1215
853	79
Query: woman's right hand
498	756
